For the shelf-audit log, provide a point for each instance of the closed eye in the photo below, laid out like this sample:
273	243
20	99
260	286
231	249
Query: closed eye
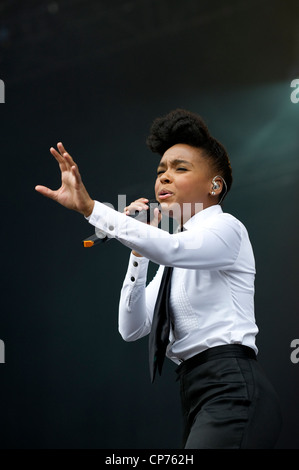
177	169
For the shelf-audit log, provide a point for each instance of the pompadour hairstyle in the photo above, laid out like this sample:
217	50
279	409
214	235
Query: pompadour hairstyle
184	127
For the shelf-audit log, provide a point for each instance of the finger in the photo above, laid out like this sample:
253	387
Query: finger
132	208
57	155
59	158
65	154
76	174
61	148
46	191
140	204
141	200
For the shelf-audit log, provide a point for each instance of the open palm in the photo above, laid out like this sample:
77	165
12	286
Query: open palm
72	193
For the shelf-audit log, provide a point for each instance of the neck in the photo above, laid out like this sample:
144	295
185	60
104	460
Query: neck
191	209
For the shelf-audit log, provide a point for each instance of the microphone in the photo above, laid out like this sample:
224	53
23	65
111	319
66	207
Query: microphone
143	216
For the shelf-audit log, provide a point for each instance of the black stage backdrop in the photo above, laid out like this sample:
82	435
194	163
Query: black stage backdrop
94	75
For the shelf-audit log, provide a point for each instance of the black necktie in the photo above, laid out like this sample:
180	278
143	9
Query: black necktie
159	335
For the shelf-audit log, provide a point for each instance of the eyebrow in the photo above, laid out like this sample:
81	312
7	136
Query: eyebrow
175	162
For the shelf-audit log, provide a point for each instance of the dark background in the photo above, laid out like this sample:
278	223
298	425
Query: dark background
94	74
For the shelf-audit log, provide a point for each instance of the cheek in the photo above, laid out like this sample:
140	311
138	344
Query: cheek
194	188
156	186
186	185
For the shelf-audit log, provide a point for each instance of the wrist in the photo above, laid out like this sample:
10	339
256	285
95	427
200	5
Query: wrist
136	254
89	208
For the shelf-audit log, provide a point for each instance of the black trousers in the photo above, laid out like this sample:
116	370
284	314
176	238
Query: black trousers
227	401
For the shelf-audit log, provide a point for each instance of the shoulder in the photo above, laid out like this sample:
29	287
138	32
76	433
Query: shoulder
226	227
214	216
213	219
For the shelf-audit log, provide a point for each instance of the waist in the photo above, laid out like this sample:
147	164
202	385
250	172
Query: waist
217	352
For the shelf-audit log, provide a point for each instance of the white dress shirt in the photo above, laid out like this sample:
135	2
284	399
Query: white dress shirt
212	286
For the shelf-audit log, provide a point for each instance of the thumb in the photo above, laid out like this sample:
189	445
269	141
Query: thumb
157	217
45	191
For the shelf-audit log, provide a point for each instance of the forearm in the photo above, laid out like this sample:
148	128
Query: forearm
133	319
211	247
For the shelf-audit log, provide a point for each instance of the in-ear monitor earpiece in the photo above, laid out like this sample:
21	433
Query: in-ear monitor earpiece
217	186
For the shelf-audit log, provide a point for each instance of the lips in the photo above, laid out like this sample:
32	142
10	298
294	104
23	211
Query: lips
165	193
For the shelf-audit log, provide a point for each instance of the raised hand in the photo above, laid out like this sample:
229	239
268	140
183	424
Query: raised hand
72	193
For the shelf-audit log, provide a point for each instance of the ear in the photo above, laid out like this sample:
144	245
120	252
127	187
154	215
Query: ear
217	186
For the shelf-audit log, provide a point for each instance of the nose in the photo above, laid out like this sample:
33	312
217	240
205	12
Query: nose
166	177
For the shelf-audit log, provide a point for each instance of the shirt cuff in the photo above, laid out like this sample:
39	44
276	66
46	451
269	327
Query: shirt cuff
137	270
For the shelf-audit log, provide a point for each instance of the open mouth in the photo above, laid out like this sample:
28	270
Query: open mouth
165	193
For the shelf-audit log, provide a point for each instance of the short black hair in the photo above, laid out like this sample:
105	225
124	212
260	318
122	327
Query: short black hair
184	127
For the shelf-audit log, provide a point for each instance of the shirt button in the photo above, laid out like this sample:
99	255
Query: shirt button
135	264
132	278
111	227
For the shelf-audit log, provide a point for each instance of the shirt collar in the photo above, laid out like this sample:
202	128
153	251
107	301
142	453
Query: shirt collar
203	215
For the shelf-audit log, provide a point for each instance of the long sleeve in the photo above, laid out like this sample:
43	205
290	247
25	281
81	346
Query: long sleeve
212	245
212	285
137	301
